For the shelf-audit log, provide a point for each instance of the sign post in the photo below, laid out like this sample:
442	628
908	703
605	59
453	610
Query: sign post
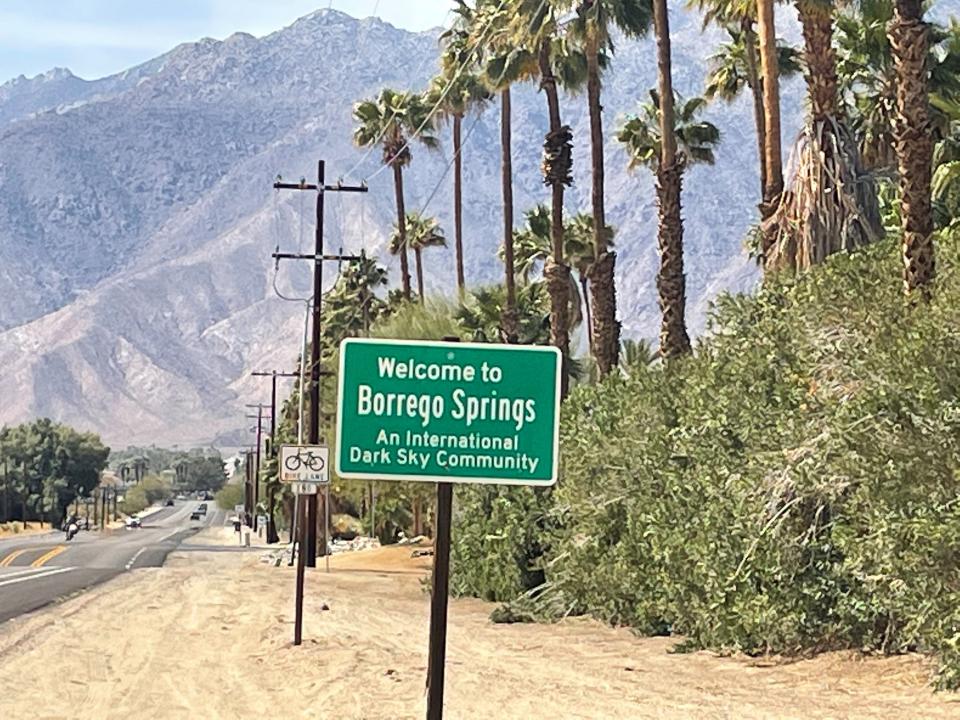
445	413
305	467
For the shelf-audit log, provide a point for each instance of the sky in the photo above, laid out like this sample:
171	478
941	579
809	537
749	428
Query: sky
94	38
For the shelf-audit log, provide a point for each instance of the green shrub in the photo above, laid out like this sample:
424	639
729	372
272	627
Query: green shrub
791	487
152	489
229	496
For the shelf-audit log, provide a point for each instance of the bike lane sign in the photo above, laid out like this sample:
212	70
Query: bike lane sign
304	464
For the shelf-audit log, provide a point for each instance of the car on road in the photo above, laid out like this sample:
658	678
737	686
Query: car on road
169	502
195	515
133	522
202	509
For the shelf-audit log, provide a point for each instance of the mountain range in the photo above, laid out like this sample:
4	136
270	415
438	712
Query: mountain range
137	215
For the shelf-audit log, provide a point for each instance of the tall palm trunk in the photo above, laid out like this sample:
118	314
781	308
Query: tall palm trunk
419	259
910	41
508	321
458	202
816	21
770	81
402	228
756	89
606	329
671	282
556	168
587	312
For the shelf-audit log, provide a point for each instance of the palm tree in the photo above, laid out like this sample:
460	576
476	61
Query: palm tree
831	204
666	140
671	282
508	60
772	156
533	248
393	119
580	250
734	67
914	145
459	90
595	20
421	232
559	62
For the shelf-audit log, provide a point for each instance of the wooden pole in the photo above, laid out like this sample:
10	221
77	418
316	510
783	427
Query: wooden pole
438	602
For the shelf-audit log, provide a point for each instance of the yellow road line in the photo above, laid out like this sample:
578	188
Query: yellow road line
8	560
40	561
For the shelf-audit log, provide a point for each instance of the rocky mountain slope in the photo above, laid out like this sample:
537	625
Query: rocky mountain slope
137	217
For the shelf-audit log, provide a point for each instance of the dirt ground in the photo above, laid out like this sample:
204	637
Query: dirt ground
16	529
209	635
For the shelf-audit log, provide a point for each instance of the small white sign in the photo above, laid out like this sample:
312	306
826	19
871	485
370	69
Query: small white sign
238	509
304	464
305	488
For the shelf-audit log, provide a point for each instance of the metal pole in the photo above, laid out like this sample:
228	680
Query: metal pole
326	524
301	563
315	339
438	602
294	528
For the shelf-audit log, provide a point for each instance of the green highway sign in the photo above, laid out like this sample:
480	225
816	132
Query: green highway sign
448	412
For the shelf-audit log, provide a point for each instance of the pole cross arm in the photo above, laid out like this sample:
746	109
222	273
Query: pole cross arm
315	258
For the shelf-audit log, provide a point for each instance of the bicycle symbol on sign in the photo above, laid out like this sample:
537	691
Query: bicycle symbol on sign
304	459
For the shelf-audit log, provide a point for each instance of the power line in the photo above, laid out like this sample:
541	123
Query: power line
467	61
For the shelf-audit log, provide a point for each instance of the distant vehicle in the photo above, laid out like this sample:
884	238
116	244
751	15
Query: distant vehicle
207	496
202	509
169	502
195	515
181	497
133	522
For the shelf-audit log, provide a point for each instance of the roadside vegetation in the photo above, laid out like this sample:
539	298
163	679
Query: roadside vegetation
789	482
45	467
152	489
229	496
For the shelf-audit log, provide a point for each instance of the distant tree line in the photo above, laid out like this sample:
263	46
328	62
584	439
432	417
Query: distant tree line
195	469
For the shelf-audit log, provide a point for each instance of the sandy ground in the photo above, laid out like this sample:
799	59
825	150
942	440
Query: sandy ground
16	529
209	635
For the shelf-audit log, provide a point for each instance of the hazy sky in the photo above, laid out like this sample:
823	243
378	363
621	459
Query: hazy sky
99	37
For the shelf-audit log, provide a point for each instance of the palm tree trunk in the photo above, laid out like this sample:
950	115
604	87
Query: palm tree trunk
508	323
587	313
770	81
816	21
606	330
402	229
756	89
909	41
671	282
419	260
458	202
556	166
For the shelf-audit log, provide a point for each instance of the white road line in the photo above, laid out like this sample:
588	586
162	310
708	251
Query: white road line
167	537
37	576
134	558
25	571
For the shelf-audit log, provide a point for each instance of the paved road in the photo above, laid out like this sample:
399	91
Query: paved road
35	571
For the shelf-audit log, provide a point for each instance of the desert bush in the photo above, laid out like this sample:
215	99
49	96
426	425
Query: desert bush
791	487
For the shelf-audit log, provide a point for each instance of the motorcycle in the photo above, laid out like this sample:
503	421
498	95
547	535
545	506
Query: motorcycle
72	530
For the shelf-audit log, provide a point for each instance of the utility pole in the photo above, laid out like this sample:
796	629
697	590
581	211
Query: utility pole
256	471
247	487
321	188
272	536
